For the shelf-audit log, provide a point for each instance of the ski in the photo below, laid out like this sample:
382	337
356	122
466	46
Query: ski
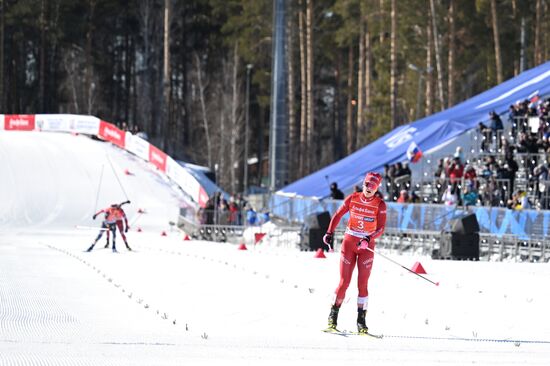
346	333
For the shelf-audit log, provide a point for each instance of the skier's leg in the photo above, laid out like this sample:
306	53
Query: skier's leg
347	263
112	227
121	229
103	226
364	267
108	234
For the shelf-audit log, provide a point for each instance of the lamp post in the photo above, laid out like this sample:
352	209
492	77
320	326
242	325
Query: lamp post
246	117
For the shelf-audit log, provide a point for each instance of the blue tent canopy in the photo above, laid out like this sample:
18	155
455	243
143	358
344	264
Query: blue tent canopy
427	133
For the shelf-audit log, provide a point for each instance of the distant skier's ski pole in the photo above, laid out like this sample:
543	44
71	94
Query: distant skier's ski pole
391	260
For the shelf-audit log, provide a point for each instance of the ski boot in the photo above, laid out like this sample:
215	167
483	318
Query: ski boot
361	326
107	245
128	247
333	317
91	247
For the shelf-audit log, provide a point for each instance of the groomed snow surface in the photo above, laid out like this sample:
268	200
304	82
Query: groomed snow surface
176	302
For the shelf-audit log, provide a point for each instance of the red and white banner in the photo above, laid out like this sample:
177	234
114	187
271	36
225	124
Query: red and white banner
107	131
19	122
157	157
111	133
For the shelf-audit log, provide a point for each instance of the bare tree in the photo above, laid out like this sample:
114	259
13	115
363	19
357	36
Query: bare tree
350	121
309	84
294	127
437	56
496	37
165	120
393	66
429	77
360	75
88	84
236	148
303	93
451	78
201	94
538	28
2	22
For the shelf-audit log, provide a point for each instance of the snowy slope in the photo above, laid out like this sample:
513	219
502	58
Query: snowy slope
175	302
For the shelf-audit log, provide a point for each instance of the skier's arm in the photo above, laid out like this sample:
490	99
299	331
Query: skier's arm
338	215
125	220
97	213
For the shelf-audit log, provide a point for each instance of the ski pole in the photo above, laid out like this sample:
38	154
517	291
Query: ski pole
402	266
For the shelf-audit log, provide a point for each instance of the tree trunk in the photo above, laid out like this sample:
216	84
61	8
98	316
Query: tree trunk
203	110
2	97
437	56
368	68
235	162
294	127
165	131
303	94
360	78
498	57
309	85
42	72
393	66
88	85
452	35
538	27
350	121
429	69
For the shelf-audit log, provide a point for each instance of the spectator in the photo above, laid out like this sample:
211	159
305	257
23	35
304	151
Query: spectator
403	196
459	154
470	195
251	216
450	198
335	193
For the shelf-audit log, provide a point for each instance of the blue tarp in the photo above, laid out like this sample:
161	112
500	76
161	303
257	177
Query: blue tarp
427	133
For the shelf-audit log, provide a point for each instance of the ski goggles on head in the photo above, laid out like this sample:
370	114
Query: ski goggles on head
372	181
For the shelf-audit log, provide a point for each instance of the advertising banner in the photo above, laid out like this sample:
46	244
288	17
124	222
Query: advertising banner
19	122
111	133
137	146
186	182
157	157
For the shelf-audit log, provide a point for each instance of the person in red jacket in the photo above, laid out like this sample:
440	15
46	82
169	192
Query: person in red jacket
122	227
367	220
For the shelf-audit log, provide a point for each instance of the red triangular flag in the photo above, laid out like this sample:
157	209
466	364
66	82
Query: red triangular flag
417	268
258	237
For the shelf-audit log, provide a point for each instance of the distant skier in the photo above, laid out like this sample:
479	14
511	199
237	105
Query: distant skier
112	214
367	222
122	224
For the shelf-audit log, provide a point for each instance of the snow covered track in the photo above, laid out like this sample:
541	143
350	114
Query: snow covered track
175	302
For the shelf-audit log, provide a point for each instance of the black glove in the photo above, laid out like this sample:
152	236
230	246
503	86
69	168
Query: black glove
327	239
126	229
364	239
93	217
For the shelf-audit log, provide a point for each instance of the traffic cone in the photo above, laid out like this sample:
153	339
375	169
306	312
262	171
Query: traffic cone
242	247
127	172
320	254
140	210
418	269
186	237
139	229
163	233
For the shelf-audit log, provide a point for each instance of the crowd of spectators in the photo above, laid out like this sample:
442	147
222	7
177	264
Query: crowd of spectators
237	211
490	178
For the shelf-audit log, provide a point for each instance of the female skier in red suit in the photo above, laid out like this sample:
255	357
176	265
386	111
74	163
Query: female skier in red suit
367	220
